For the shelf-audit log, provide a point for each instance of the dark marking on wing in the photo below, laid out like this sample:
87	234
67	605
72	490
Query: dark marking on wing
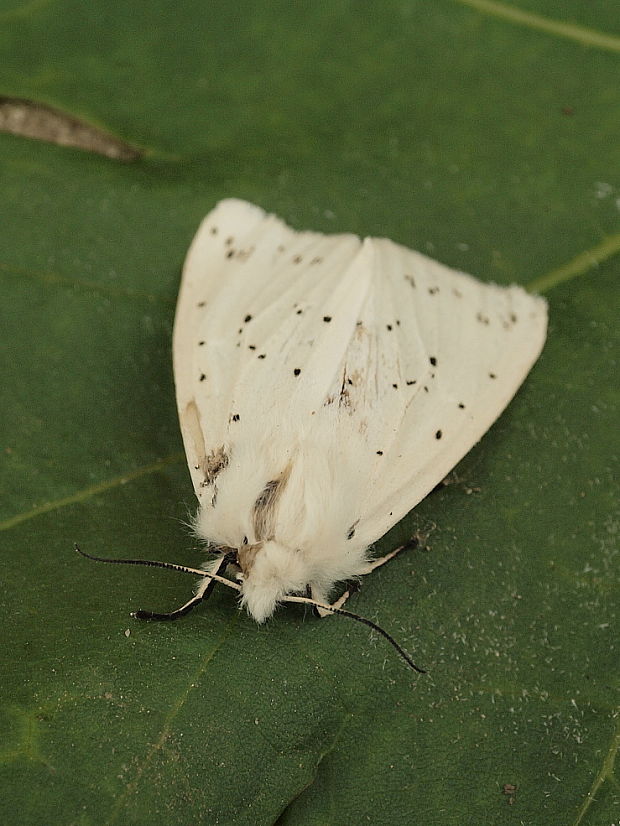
264	510
214	464
345	398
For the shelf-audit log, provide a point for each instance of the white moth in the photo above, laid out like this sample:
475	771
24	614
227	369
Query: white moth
325	385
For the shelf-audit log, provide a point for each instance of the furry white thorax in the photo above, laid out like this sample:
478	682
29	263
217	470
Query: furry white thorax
299	539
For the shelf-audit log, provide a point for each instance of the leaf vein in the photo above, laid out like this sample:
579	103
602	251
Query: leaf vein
570	31
166	730
92	490
606	773
579	265
94	286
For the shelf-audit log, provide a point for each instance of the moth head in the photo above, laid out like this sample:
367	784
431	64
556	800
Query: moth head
270	572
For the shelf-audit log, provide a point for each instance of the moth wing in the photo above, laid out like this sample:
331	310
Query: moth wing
463	349
378	367
248	283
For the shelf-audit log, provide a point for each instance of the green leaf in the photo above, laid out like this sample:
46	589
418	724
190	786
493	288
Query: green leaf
485	138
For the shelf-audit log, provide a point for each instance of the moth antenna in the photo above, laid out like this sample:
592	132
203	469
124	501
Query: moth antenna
155	564
365	621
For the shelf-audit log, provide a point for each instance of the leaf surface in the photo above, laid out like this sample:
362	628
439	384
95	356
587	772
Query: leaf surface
488	143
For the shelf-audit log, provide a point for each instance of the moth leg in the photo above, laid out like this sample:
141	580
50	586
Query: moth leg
205	586
377	563
203	591
319	596
354	585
